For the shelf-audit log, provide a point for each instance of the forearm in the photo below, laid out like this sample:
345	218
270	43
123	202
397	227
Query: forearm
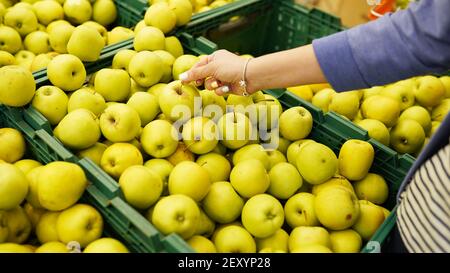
287	68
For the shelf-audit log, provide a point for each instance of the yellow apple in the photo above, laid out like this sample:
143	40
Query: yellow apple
178	101
222	204
419	114
217	166
112	84
122	59
407	136
370	219
277	242
163	168
252	151
86	43
106	245
430	91
161	16
337	180
59	35
295	123
22	19
119	34
6	58
446	82
303	92
336	208
51	102
176	214
4	231
322	99
146	68
25	58
52	247
293	150
304	236
149	38
345	241
235	130
367	93
372	188
104	12
37	42
299	210
94	152
384	109
48	11
355	159
80	223
10	40
200	135
402	93
314	248
249	178
61	185
168	61
159	139
41	61
157	89
13	186
26	165
146	105
120	156
234	239
139	26
284	180
79	129
181	154
13	145
86	98
173	46
205	226
275	157
46	227
316	163
101	29
190	179
14	248
201	244
376	129
440	112
183	64
66	72
120	123
18	224
77	11
346	104
183	10
17	86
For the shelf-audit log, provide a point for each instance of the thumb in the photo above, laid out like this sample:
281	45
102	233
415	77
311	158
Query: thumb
197	73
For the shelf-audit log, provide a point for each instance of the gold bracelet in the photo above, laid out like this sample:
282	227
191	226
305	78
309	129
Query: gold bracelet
243	82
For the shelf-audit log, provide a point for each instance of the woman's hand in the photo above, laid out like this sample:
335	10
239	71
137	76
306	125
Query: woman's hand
222	72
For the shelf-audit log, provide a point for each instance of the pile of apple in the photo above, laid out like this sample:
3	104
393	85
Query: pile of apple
403	115
197	6
38	205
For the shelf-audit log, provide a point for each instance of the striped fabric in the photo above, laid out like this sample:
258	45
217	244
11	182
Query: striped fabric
424	212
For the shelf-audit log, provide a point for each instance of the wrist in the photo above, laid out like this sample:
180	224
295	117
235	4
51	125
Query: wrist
252	78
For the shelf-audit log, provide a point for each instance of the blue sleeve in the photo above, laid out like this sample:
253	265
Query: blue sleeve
397	46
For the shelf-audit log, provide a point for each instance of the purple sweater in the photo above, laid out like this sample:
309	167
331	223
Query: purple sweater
397	46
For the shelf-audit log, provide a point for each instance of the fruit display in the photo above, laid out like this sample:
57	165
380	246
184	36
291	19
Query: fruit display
40	210
402	115
197	6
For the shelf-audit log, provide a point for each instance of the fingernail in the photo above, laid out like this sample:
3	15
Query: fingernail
225	89
184	76
214	84
198	82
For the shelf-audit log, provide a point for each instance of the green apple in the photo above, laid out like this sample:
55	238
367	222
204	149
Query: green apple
402	93
430	91
119	34
336	181
222	204
336	208
262	215
440	112
407	136
77	11
14	186
120	123
52	247
345	241
86	43
384	109
205	226
200	135
235	130
161	16
26	165
183	64
122	59
249	178
376	129
159	139
60	185
322	99
149	38
46	227
80	223
201	244
252	151
94	152
316	163
190	179
178	101
119	157
17	86
299	210
346	104
141	186
18	224
79	129
355	159
284	180
104	12
275	157
13	147
176	214
86	98
21	19
183	10
277	242
372	188
51	102
304	236
214	106
48	11
146	105
314	248
217	166
10	40
294	149
295	123
112	84
66	72
37	42
234	239
419	114
173	46
370	219
146	68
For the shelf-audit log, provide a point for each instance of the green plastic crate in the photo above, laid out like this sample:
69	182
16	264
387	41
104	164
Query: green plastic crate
333	130
130	12
261	26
